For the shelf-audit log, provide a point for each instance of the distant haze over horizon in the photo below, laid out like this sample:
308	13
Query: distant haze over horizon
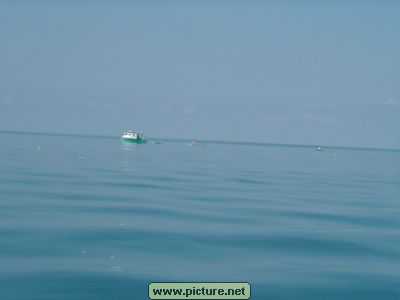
273	72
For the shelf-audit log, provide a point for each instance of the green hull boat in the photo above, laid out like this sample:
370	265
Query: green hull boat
133	137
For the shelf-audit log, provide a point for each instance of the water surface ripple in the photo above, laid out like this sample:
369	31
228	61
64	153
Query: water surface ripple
92	218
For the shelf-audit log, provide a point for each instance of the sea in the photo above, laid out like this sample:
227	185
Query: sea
89	217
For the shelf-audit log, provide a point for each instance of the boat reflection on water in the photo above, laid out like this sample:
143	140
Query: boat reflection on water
128	146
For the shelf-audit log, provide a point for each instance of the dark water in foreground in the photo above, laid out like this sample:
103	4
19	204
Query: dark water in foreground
95	218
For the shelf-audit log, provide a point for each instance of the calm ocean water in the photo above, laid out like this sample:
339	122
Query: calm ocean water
96	218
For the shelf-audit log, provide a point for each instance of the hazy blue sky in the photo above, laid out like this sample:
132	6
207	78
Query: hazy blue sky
288	72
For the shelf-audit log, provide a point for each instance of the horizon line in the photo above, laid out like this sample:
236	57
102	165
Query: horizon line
202	140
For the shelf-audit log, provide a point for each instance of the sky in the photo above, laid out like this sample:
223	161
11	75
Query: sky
296	72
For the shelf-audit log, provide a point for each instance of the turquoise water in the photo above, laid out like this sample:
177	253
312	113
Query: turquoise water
97	218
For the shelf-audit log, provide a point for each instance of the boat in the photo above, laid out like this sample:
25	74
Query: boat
133	137
195	143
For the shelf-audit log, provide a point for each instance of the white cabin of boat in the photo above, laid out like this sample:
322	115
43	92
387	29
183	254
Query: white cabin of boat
131	134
